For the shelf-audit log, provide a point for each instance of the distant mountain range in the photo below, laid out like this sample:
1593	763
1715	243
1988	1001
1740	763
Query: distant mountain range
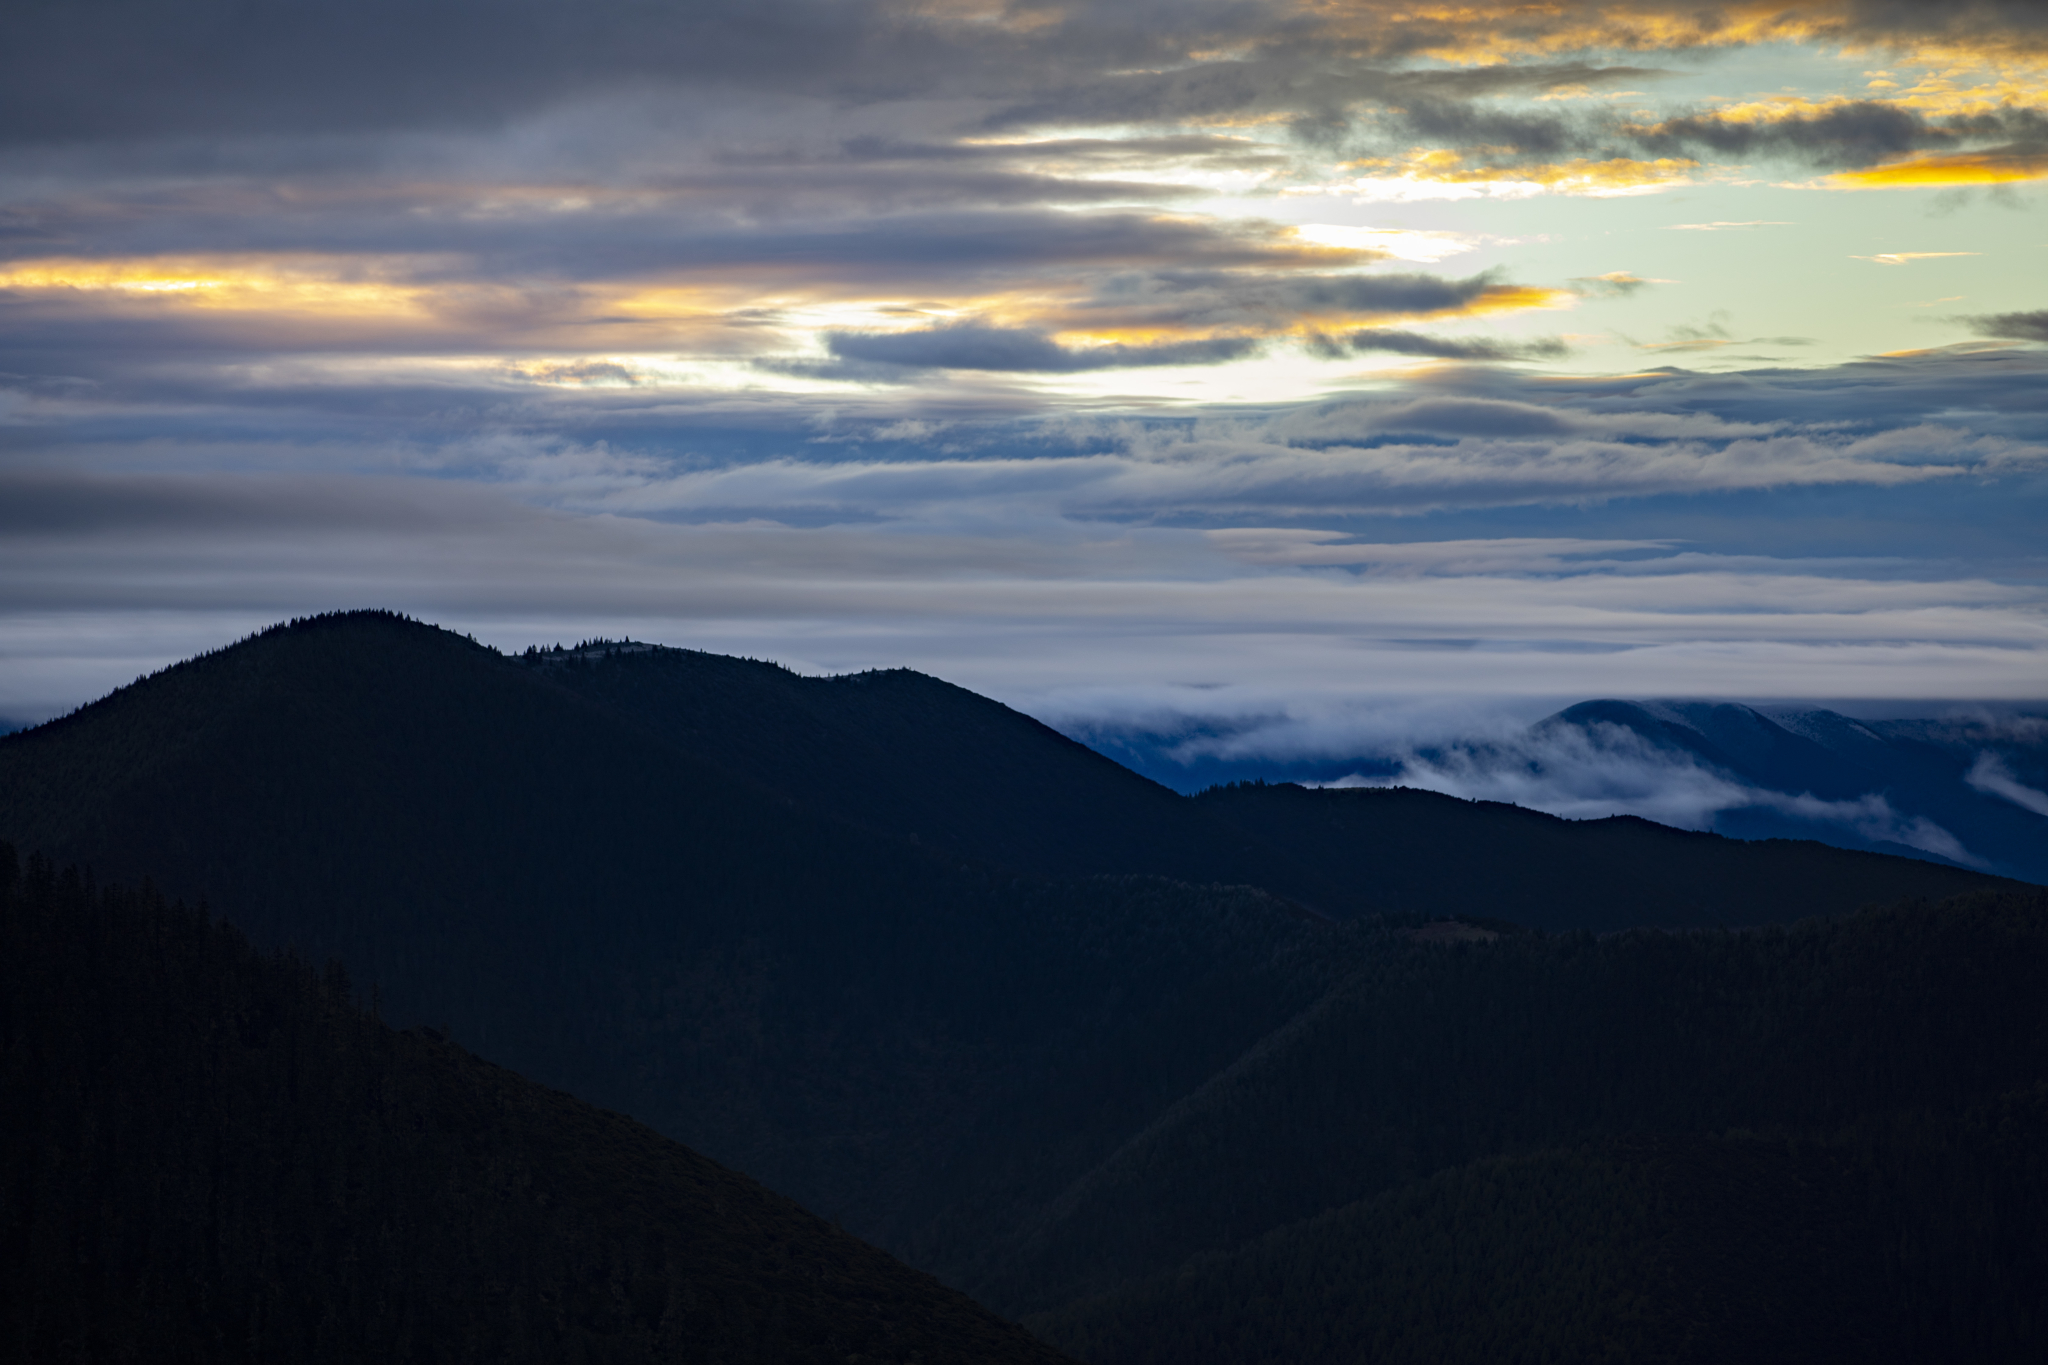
1971	790
1085	1048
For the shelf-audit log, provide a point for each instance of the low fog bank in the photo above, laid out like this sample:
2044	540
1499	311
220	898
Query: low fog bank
1958	783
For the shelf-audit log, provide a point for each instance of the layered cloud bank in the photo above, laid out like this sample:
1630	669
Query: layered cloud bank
1266	358
1867	531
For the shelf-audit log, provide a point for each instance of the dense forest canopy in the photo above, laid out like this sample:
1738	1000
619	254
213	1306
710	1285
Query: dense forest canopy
217	1154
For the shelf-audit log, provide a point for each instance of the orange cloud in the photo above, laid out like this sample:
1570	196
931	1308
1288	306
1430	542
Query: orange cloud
228	283
1930	170
310	301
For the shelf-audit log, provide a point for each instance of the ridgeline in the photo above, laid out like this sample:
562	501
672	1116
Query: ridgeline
1155	1071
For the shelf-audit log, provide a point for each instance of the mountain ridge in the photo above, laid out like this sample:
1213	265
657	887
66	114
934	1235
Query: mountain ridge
1910	788
1043	1088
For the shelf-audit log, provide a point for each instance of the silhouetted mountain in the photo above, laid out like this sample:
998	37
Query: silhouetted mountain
843	1015
1393	850
911	757
687	888
214	1155
1969	791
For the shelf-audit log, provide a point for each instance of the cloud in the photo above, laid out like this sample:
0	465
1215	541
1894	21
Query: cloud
1247	308
1686	336
175	77
1584	772
1516	555
1615	284
2011	326
971	347
1444	348
1277	301
1993	166
1423	246
1848	133
1904	257
847	330
1444	173
1031	577
1990	774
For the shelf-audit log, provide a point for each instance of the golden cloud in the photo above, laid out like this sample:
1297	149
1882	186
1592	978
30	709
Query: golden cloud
215	282
1934	170
389	304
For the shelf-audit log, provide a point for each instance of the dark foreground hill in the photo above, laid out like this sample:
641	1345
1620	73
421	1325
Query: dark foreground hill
1909	1239
893	1001
215	1155
1428	1051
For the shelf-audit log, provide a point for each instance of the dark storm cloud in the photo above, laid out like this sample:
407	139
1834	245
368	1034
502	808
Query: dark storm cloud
1855	134
1505	136
2010	326
1443	348
1996	22
1858	133
1020	350
125	68
122	69
128	68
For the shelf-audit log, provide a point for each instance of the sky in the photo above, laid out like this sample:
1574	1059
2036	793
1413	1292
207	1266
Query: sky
1409	365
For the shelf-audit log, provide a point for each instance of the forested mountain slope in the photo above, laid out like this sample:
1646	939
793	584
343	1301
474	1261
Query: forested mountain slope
617	873
1395	850
210	1154
1906	1238
1429	1055
910	756
867	1024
